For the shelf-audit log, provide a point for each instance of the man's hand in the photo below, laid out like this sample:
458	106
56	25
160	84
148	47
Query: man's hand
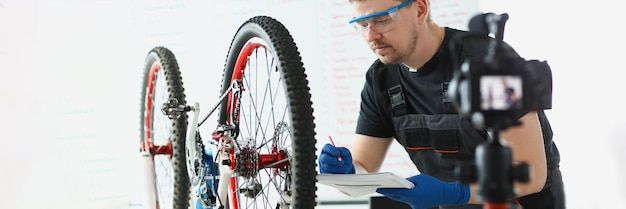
329	160
429	192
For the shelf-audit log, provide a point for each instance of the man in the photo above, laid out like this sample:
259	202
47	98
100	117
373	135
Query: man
437	138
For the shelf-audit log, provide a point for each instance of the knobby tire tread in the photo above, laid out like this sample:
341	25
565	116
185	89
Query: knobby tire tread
170	68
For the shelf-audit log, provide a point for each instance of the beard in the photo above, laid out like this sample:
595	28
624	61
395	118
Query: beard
396	55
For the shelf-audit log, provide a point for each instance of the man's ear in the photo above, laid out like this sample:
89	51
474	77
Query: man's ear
423	10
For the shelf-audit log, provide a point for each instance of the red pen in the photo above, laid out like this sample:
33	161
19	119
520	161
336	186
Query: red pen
333	143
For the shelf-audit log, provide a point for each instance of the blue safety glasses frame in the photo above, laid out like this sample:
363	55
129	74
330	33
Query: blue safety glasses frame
381	13
382	21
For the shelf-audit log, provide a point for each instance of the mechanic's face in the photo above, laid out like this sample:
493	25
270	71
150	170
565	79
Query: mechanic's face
386	28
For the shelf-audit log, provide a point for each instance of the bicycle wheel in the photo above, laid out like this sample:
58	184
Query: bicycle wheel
273	118
164	138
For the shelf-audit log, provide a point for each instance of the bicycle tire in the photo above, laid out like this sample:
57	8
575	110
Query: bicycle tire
277	42
162	137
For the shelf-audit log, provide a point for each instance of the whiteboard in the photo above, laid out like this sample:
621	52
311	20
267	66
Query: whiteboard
71	71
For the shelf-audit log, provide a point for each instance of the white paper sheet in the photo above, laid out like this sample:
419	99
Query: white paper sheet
355	185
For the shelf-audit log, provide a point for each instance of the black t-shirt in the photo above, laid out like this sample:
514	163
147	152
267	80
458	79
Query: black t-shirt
423	88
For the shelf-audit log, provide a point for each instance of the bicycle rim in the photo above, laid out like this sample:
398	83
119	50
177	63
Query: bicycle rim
274	118
162	137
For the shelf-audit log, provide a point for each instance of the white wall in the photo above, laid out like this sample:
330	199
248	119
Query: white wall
70	73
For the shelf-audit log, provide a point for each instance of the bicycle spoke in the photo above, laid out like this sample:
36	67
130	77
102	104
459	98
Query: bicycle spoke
275	114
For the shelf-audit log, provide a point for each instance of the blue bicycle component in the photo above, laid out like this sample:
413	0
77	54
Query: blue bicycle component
206	198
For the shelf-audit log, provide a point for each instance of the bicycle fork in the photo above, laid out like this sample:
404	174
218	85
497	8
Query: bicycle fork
226	188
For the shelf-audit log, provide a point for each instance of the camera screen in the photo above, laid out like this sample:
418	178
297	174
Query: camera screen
500	92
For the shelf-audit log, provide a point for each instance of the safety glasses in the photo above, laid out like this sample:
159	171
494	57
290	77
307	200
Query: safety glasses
379	22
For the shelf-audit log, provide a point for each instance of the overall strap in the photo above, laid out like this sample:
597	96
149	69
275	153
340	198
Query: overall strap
448	106
391	79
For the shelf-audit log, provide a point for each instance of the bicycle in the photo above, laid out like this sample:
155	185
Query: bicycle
261	153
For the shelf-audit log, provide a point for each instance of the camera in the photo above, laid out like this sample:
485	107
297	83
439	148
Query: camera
494	91
498	88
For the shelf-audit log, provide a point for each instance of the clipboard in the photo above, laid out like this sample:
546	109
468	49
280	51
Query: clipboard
355	185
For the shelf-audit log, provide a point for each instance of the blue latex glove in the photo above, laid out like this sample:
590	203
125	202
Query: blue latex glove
329	163
429	192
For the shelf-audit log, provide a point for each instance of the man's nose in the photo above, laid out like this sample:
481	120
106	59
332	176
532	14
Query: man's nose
371	35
